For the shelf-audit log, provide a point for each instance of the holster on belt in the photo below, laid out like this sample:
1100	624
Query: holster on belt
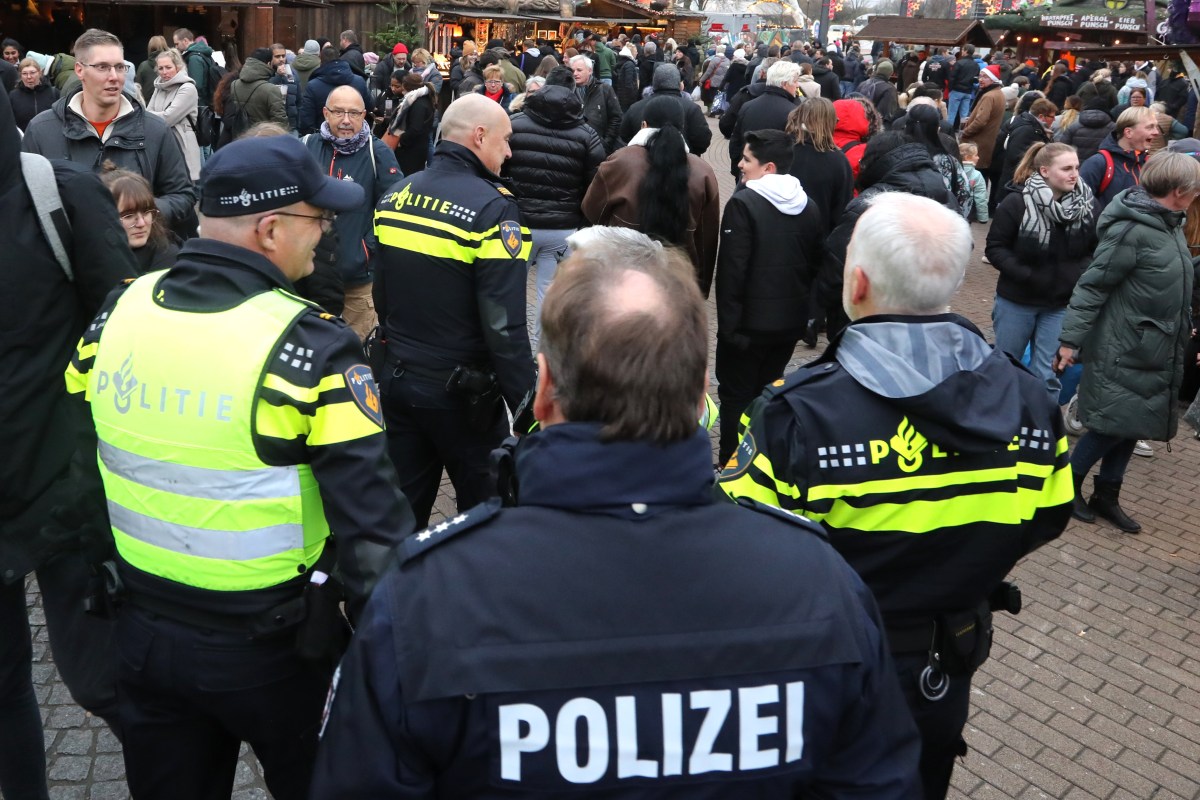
962	640
324	634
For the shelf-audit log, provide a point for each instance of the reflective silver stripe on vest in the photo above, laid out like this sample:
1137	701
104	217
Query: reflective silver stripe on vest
203	543
230	485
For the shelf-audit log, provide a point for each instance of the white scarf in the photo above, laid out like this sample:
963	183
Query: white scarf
642	136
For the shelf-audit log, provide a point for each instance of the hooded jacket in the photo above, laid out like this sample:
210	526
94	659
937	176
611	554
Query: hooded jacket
1025	131
175	102
302	68
625	81
964	74
353	55
1130	319
772	246
146	74
827	179
728	120
1087	132
324	80
255	93
195	58
936	498
28	103
850	132
555	155
1127	168
136	140
831	85
1090	90
45	317
910	169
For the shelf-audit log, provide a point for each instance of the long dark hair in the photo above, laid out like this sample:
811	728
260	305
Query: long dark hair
921	125
663	207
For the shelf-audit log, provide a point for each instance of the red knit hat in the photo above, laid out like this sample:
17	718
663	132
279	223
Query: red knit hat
400	48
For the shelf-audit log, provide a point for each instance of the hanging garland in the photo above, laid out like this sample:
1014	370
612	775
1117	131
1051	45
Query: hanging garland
835	6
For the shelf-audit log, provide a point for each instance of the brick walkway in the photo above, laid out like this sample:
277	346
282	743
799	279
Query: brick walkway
1092	692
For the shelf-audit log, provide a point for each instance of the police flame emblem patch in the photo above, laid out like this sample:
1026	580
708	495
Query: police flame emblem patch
361	383
510	235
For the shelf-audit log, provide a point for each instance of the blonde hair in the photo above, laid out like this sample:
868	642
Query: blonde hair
1039	155
1131	118
812	122
493	72
968	150
422	54
172	54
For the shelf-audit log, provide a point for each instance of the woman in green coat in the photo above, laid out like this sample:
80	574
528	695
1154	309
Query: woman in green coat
1129	322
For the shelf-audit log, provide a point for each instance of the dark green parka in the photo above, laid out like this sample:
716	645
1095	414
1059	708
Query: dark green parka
1130	319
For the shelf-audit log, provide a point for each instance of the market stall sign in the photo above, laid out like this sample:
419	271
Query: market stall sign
1101	22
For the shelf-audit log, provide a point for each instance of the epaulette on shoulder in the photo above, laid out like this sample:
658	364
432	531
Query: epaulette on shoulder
418	544
504	190
799	520
807	373
314	309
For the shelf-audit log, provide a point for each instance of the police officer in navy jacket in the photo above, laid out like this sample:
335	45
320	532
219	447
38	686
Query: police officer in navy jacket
618	633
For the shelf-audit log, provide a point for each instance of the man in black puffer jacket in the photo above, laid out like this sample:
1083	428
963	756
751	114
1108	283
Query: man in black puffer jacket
555	154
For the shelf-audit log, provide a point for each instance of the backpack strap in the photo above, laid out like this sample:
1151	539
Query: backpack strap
1109	169
43	188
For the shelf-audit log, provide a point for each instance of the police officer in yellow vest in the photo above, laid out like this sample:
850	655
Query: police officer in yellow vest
243	456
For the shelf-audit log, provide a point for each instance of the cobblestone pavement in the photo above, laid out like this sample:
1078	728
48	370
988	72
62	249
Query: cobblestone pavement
1092	692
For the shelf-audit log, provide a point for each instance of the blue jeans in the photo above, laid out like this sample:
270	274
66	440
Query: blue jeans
848	88
1017	326
549	248
606	80
1093	447
959	106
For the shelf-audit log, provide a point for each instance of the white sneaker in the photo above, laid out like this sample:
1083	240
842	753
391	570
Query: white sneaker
1071	416
984	259
1143	449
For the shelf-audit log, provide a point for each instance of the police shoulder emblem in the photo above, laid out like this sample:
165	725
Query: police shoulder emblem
361	384
419	543
504	191
510	236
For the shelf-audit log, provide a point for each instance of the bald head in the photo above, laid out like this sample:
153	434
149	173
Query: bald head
480	125
345	112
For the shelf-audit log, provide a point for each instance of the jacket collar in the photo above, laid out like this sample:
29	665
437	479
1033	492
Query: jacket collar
453	157
76	125
566	466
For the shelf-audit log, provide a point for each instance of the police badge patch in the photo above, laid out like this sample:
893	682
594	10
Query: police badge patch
510	235
361	384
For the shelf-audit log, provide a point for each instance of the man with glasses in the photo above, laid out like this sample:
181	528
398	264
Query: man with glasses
242	450
100	122
345	148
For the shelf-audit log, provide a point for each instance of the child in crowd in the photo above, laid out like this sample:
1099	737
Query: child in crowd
969	153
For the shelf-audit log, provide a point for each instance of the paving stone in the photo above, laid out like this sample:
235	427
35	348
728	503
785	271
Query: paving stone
76	743
107	742
70	768
109	790
108	768
68	792
65	717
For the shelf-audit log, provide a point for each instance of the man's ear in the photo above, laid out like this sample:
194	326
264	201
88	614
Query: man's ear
546	409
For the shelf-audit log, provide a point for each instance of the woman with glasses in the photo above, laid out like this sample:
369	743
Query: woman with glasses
175	100
494	87
423	65
152	244
32	95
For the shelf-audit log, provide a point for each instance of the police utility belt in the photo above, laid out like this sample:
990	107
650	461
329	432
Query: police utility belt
955	644
477	386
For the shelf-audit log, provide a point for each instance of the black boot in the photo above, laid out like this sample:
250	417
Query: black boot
1080	510
1106	503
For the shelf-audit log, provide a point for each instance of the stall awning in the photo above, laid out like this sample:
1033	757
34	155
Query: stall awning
477	13
586	20
918	30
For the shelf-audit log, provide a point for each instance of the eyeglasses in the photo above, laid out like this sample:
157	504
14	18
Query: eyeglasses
348	114
493	83
327	219
104	69
131	218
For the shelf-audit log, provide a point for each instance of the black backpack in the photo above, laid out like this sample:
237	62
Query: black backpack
213	73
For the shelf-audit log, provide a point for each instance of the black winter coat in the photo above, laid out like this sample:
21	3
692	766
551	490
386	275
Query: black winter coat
766	267
417	123
28	103
45	315
729	119
1024	132
324	80
1173	92
1030	275
768	111
827	180
695	127
603	112
963	75
555	154
910	169
831	85
1087	132
625	82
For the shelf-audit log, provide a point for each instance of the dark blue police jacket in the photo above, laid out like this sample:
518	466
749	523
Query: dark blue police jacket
618	635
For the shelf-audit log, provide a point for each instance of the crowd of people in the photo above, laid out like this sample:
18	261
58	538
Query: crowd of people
341	243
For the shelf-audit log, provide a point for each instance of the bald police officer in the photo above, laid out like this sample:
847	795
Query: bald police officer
563	646
242	451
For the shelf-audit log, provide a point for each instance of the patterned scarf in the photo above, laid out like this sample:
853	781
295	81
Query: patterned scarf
347	147
1073	211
